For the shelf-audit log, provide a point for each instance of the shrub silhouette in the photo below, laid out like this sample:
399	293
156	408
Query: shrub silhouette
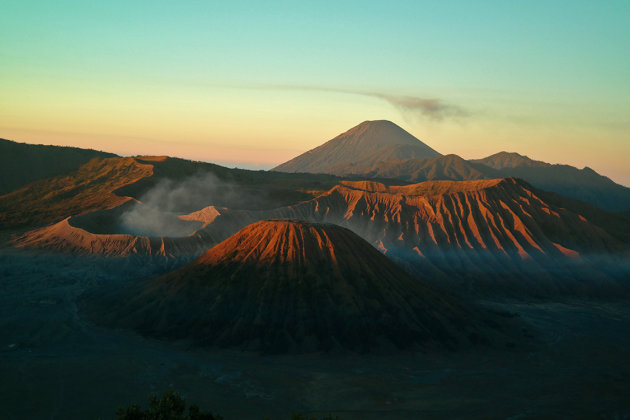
299	416
170	406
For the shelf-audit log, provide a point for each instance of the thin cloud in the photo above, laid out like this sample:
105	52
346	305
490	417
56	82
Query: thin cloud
413	107
434	109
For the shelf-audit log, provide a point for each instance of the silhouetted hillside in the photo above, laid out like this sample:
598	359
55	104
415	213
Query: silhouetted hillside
449	167
583	184
106	183
22	163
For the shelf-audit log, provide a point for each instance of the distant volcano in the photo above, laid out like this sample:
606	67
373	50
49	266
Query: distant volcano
292	286
360	147
382	150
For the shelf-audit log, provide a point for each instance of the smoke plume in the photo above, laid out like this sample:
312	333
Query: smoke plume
156	213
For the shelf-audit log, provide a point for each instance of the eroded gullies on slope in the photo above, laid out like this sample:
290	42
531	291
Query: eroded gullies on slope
292	286
502	233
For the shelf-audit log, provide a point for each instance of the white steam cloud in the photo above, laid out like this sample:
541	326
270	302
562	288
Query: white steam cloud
157	212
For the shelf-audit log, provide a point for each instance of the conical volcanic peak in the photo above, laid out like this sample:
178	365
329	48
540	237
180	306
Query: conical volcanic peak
287	286
363	145
282	241
377	133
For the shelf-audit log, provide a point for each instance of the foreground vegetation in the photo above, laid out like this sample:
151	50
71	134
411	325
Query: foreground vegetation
171	406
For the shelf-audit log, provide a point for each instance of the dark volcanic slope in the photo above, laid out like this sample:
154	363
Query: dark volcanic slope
448	167
491	235
502	231
503	160
22	163
360	147
91	187
505	216
107	183
286	285
582	184
382	150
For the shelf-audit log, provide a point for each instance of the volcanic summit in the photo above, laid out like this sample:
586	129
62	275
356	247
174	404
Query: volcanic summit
291	286
359	149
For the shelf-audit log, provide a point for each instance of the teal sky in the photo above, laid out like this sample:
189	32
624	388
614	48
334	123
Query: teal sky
259	82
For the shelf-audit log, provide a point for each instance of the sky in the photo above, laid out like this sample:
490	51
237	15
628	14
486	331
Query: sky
254	84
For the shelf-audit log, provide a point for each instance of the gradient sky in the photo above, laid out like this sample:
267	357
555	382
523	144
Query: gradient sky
260	82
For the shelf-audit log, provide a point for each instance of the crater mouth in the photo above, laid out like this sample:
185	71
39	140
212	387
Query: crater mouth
136	219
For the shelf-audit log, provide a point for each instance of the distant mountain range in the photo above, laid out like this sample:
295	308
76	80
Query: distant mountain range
516	238
381	149
378	150
478	230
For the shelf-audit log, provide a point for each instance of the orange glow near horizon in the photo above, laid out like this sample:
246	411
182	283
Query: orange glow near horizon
274	141
261	83
265	127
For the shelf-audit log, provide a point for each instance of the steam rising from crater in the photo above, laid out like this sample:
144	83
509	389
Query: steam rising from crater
158	209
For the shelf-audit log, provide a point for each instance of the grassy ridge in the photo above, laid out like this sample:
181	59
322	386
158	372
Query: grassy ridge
21	163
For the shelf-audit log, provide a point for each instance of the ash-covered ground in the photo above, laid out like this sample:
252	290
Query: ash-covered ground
56	365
